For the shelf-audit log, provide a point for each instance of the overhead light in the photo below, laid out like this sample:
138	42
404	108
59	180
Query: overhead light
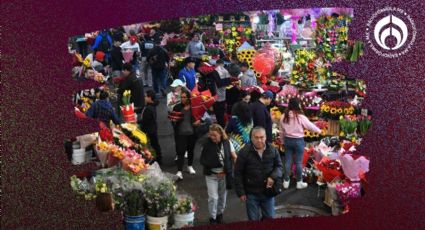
256	20
287	17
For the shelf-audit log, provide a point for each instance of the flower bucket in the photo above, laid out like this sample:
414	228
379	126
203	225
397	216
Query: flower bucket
128	113
102	156
78	156
157	223
184	220
134	222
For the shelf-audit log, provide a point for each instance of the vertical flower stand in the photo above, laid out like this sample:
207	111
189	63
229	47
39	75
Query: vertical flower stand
134	222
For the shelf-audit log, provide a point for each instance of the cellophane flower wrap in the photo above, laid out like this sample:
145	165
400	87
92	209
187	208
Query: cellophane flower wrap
185	204
160	193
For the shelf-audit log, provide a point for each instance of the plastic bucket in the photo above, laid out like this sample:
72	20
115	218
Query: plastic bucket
157	223
184	220
89	153
78	156
134	222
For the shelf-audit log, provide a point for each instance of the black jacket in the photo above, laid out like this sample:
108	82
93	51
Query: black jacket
209	159
251	171
148	123
137	94
157	58
261	117
116	58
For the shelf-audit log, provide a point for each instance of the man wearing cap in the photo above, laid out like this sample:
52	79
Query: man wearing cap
99	58
134	46
261	115
188	74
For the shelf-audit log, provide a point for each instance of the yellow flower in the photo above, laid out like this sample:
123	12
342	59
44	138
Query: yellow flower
233	28
327	108
341	134
234	34
102	190
333	111
339	110
346	111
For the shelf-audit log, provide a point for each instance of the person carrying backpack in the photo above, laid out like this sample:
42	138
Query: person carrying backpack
158	61
103	42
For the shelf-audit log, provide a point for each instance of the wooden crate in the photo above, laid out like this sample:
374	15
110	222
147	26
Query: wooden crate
333	128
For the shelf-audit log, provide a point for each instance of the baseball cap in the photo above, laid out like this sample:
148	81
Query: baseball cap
176	83
268	94
133	38
100	56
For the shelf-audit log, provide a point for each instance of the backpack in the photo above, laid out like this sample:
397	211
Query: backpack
104	44
156	60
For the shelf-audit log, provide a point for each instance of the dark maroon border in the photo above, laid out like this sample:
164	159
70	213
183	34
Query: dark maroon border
37	113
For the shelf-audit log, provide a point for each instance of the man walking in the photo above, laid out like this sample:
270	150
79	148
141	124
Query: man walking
158	60
258	167
261	115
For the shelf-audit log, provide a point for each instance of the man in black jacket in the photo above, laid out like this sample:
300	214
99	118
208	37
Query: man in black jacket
158	61
261	115
135	85
258	167
148	123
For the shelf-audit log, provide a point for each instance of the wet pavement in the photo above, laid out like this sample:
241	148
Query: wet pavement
292	202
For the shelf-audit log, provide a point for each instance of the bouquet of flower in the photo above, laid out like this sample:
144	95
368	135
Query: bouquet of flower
177	45
160	194
332	36
184	205
136	133
303	73
83	187
360	88
330	169
102	151
245	53
133	162
334	109
348	125
201	102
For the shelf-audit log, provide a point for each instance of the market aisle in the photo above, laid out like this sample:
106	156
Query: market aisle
195	184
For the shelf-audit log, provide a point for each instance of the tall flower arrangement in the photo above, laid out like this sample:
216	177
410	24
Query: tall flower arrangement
128	109
332	36
234	36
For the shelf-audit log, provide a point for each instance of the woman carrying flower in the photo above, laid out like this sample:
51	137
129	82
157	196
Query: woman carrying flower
216	157
291	127
184	132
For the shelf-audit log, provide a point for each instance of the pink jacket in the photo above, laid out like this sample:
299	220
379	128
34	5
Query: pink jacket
295	127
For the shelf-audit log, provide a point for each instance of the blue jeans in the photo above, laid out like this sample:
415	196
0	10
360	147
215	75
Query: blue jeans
159	78
255	203
294	147
217	194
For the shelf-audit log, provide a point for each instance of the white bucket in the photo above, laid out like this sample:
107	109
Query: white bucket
157	223
89	155
78	156
184	220
76	145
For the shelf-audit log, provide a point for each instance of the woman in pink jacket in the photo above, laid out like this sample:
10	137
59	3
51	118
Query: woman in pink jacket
291	127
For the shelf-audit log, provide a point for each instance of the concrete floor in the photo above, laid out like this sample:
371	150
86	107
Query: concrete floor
292	202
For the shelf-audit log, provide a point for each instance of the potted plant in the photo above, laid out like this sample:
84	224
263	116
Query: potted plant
184	212
133	205
160	194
